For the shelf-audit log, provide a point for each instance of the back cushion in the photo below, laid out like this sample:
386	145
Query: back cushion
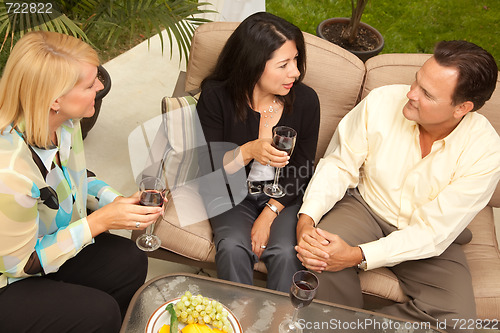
337	77
392	69
401	68
335	74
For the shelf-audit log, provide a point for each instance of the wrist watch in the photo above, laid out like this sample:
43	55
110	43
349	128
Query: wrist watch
362	265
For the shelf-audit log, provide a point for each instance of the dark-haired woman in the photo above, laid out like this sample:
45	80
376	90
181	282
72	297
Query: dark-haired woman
255	86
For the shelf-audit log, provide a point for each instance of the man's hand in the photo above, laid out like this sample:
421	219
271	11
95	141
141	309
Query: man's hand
319	250
310	245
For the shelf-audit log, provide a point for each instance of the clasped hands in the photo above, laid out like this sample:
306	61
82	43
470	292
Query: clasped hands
320	250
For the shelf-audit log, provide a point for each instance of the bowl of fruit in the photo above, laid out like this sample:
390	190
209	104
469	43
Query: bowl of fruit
193	314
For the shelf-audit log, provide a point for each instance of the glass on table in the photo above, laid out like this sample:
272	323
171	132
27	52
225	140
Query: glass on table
152	193
302	292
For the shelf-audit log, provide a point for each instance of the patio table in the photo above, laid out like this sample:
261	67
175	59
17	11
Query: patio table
258	310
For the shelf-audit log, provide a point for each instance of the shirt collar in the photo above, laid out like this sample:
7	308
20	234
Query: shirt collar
63	134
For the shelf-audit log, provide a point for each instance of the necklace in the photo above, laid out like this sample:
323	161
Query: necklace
269	113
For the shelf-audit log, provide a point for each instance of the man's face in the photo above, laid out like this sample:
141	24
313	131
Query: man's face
430	97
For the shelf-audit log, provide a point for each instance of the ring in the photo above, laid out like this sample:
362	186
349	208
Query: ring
137	224
263	247
268	163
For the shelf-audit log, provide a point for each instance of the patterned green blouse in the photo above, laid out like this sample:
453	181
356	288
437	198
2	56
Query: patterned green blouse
43	207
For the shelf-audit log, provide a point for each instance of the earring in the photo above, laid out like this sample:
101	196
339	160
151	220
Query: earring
56	111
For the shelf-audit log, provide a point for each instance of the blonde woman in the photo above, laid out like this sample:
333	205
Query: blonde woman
56	263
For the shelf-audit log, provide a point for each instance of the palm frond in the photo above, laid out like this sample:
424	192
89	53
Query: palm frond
151	17
15	25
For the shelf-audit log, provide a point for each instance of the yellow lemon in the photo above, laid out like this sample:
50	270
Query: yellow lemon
164	329
196	328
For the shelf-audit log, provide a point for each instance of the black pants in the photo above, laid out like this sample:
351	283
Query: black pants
234	257
89	293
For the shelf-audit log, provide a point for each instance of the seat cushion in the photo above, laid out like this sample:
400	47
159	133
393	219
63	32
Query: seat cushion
382	282
184	227
483	258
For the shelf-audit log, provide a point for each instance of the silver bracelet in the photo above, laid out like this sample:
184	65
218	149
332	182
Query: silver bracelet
273	208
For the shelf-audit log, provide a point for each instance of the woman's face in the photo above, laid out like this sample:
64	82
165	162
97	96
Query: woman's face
281	71
79	101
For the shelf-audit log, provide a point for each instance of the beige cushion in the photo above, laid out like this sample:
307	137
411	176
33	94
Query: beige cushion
193	240
491	110
208	41
483	258
382	282
391	68
337	76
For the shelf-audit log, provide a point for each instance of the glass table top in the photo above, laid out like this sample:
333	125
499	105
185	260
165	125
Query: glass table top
258	309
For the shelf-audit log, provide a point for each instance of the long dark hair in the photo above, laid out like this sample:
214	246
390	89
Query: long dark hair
243	58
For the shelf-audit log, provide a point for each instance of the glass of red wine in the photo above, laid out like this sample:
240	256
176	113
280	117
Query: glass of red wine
152	193
283	139
302	292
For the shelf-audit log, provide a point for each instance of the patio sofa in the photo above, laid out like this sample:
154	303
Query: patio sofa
341	80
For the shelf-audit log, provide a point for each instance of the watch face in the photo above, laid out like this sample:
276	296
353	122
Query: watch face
362	265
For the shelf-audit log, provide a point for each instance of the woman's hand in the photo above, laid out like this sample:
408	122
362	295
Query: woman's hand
262	228
260	234
263	152
123	213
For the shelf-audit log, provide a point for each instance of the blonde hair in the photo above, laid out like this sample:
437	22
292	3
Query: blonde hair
42	67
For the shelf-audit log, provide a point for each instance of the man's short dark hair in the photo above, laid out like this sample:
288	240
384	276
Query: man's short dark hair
477	70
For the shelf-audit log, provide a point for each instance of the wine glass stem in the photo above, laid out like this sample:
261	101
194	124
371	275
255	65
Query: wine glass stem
276	176
149	229
295	314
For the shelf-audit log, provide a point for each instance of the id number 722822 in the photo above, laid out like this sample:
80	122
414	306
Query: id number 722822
28	7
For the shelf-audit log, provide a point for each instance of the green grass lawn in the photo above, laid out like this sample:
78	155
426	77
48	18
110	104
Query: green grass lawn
409	26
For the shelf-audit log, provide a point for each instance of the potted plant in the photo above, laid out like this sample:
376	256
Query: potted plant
352	34
103	22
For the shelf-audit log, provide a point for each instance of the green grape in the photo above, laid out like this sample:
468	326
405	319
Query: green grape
198	309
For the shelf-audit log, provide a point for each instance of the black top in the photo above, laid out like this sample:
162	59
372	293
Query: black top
216	111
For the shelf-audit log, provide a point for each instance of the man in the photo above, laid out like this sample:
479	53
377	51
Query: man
407	170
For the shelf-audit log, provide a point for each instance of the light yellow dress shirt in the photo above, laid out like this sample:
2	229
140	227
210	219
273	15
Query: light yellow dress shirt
430	200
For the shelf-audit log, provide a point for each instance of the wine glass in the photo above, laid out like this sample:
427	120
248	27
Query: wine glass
303	289
152	191
283	139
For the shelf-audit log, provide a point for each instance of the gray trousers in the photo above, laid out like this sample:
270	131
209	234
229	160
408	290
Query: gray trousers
439	288
234	257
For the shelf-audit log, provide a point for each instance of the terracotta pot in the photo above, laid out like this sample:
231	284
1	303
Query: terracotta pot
363	55
88	123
